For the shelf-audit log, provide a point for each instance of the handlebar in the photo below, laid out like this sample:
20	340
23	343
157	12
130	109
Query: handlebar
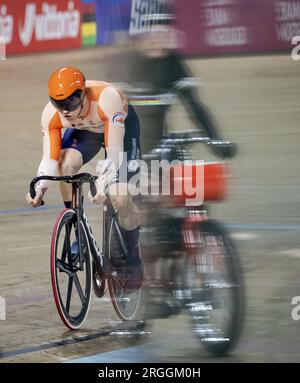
188	138
225	149
78	178
185	140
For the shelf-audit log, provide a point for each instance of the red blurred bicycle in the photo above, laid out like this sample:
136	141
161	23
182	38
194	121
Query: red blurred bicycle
199	267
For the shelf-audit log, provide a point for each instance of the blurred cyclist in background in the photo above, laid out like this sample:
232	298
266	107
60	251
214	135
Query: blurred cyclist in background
154	73
95	114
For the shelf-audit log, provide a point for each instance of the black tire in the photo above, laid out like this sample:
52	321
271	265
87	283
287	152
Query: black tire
215	289
72	303
126	303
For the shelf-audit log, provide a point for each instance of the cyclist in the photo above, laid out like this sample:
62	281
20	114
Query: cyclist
155	72
152	73
94	114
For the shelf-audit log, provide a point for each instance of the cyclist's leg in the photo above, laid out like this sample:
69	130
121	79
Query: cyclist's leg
129	222
69	164
78	147
128	175
122	199
129	216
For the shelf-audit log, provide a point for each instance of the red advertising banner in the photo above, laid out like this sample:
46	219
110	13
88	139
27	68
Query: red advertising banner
229	26
40	25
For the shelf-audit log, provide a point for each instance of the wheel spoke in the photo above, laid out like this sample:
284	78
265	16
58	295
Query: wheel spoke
67	243
69	293
62	266
79	289
64	250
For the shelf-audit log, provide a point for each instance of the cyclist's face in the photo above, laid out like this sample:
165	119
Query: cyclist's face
70	107
70	116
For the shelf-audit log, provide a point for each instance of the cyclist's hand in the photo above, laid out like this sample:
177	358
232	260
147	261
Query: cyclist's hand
37	200
98	198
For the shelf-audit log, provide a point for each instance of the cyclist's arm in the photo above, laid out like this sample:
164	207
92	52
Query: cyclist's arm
198	112
51	129
184	85
111	109
200	115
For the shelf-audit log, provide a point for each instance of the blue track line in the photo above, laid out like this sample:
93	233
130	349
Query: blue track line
50	345
30	210
66	342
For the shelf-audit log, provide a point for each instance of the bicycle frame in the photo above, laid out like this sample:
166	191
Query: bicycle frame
77	182
77	205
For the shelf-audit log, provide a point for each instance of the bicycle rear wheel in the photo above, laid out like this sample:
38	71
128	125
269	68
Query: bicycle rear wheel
214	286
126	303
71	286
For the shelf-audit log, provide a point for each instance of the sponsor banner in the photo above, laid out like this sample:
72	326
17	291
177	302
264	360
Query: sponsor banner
40	25
117	19
113	19
148	13
229	26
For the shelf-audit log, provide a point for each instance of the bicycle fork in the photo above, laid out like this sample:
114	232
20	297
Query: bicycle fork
99	257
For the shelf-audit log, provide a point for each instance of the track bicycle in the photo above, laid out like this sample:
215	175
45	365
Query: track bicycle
78	265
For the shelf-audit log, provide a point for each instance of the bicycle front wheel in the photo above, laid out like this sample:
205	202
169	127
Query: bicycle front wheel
71	284
214	284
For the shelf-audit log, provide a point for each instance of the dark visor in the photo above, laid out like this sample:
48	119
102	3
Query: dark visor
71	103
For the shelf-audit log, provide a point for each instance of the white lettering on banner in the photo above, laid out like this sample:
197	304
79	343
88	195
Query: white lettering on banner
288	20
51	24
217	16
26	33
6	24
219	37
287	10
221	19
212	3
145	13
286	31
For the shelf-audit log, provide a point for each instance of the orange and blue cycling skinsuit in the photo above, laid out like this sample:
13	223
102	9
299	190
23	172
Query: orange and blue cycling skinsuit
110	122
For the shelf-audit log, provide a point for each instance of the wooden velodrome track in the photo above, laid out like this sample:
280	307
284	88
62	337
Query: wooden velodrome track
256	101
